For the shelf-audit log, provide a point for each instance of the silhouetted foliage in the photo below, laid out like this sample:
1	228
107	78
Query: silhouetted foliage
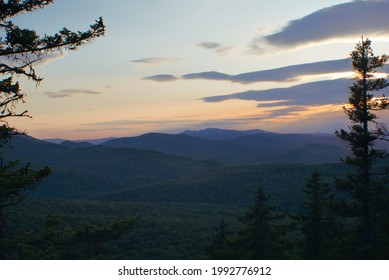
316	223
366	187
19	49
14	180
262	237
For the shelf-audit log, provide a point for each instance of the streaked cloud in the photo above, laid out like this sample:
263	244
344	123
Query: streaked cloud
282	74
154	60
70	92
37	60
184	122
215	46
286	111
50	57
344	21
161	78
312	94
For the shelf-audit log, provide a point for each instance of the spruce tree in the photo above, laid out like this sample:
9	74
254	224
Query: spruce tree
262	238
20	49
315	221
365	186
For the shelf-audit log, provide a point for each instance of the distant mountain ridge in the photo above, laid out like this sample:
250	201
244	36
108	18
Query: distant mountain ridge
91	141
241	147
84	171
233	147
98	172
221	134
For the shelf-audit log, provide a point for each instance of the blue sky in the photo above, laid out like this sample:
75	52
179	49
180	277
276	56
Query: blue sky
171	65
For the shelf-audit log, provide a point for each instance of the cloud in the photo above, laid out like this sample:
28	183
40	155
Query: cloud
215	46
50	57
291	110
37	60
183	122
69	93
153	60
347	20
209	45
161	78
312	94
211	75
283	74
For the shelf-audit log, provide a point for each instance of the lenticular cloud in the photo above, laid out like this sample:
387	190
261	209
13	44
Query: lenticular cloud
348	20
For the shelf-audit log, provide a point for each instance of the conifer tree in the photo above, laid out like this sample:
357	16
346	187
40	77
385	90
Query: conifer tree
315	221
263	236
20	49
365	185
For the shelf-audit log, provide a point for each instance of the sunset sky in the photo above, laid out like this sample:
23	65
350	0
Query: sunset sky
171	65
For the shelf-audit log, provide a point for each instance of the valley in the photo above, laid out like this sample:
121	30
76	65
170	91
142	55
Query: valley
181	184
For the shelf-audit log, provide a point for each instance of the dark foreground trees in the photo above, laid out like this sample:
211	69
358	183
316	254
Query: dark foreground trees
89	241
20	49
357	227
315	221
365	203
261	237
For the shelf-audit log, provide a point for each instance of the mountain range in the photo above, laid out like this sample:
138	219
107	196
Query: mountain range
234	147
84	170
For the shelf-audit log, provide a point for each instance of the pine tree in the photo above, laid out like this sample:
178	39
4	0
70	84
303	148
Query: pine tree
20	49
262	237
315	221
365	190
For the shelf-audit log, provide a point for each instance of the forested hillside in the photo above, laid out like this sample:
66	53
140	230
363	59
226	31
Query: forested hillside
179	201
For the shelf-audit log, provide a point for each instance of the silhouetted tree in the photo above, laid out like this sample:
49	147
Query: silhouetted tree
19	49
316	224
262	237
367	194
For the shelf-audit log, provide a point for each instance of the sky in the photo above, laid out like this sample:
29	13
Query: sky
171	65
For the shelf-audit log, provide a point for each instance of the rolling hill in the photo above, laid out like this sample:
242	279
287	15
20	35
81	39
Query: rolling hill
88	171
241	147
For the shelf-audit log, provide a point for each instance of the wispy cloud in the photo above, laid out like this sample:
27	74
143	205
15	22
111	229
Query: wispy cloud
282	74
50	57
347	20
154	60
286	111
312	94
161	78
183	122
37	60
69	93
215	46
